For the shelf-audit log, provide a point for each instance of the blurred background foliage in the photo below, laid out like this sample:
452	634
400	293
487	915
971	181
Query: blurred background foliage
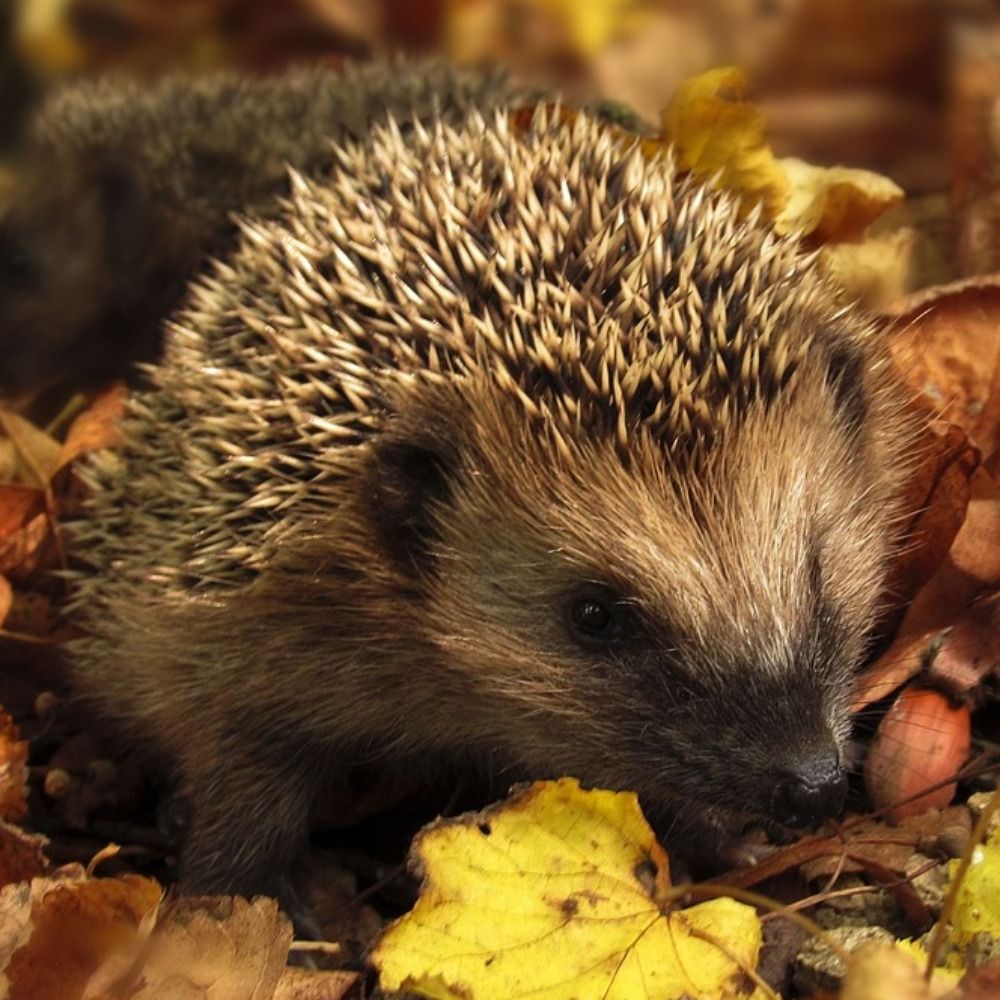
860	82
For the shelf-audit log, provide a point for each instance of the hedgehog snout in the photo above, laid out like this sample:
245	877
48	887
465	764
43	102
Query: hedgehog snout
808	790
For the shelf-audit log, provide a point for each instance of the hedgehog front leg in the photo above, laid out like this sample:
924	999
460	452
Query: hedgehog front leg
250	824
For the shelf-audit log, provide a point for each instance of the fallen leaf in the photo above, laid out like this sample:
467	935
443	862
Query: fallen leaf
13	770
977	904
216	948
971	568
38	452
56	932
21	855
715	130
6	599
833	204
860	843
317	984
938	493
560	893
31	614
97	427
968	652
591	24
980	984
945	344
24	551
18	505
877	971
877	269
976	549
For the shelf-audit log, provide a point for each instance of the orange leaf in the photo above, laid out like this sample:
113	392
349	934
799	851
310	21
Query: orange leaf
38	452
971	568
938	491
63	930
98	426
6	598
21	856
13	770
23	551
946	344
18	505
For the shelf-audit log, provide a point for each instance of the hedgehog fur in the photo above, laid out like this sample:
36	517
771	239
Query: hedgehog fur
126	187
501	445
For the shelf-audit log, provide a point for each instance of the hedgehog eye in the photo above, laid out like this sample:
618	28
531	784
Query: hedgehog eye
597	616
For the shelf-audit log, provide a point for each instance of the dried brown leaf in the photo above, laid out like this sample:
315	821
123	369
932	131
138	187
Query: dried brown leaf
877	971
24	550
18	505
317	984
938	493
216	948
13	770
58	932
97	427
37	452
21	855
945	342
969	652
6	599
970	570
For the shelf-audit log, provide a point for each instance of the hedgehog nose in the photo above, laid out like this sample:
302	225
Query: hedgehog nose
810	791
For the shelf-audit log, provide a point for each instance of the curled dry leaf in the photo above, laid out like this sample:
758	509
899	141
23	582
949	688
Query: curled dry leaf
833	204
922	740
716	131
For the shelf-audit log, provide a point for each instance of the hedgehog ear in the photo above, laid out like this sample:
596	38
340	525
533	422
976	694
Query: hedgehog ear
411	475
845	376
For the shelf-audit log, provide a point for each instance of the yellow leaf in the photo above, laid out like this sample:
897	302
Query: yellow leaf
592	24
977	906
833	204
557	894
44	36
715	130
37	452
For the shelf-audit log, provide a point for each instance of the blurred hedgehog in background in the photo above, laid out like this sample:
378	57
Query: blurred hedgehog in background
124	189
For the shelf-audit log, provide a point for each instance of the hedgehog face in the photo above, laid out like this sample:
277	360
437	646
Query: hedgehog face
689	637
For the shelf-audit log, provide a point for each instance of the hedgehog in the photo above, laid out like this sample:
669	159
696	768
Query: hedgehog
126	188
502	447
